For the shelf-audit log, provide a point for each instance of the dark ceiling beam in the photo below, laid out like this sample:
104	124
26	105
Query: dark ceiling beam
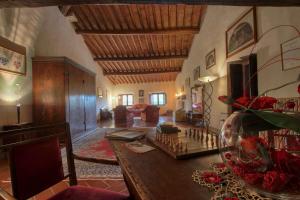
142	72
151	58
176	31
41	3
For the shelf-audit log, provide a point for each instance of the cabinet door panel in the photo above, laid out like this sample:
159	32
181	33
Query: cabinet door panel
48	92
90	102
76	102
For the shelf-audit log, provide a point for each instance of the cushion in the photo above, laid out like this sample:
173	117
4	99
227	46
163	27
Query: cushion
88	193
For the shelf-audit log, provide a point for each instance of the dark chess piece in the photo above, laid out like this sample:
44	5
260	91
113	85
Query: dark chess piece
202	135
186	132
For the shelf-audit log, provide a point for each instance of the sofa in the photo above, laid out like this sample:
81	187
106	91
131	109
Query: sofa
150	114
137	109
122	115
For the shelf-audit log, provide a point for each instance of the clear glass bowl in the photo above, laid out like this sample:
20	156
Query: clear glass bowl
262	156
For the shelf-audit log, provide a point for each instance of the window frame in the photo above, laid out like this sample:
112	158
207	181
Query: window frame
121	97
158	93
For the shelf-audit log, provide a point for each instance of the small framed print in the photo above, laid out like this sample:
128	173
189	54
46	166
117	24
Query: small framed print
290	51
242	34
141	93
12	57
210	59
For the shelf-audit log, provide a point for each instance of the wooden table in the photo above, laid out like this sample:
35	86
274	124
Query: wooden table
156	176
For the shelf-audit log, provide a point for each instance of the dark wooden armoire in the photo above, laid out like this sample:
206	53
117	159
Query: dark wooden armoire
63	91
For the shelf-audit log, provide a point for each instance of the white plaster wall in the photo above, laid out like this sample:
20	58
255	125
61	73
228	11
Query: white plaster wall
167	87
22	27
58	38
212	35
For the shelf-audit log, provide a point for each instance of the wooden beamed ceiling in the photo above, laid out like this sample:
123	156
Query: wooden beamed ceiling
137	43
40	3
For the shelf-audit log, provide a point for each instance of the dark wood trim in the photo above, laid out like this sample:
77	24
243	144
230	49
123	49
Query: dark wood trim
176	31
42	3
96	160
143	71
62	59
99	59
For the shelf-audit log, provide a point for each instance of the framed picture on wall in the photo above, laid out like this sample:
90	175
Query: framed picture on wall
12	57
290	51
141	93
210	59
196	73
242	33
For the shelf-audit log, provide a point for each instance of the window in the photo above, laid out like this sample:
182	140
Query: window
126	99
158	99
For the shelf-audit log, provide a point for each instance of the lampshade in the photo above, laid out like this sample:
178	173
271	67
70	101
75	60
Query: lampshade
207	79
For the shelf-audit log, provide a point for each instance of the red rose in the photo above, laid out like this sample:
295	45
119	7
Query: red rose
228	155
211	177
274	181
264	103
299	88
253	178
290	104
239	171
244	101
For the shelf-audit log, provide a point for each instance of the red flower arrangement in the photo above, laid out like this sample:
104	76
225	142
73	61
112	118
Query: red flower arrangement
299	88
211	177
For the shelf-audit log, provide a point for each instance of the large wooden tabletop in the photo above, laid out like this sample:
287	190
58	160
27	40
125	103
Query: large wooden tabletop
157	176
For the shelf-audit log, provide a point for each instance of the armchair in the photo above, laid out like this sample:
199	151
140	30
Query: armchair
36	164
123	115
151	114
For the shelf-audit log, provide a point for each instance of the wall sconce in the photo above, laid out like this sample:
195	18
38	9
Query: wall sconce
100	93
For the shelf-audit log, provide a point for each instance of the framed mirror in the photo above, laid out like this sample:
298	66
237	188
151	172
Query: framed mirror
197	99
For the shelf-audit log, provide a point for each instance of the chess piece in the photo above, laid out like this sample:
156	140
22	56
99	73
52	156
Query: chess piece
186	132
186	147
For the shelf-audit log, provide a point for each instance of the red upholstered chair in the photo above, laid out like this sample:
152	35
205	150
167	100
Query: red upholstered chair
123	115
36	164
151	114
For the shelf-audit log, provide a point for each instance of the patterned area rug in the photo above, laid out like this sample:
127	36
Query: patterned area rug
94	146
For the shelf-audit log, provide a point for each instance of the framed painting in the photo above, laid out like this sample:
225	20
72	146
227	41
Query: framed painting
141	93
210	59
12	57
290	51
196	73
242	34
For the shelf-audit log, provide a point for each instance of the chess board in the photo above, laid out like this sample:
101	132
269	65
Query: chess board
186	144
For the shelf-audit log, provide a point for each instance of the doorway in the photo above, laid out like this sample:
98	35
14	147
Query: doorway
242	79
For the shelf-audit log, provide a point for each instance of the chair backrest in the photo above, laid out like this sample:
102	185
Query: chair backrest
35	158
120	113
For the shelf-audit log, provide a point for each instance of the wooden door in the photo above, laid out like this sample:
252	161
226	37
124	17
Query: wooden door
76	101
90	102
